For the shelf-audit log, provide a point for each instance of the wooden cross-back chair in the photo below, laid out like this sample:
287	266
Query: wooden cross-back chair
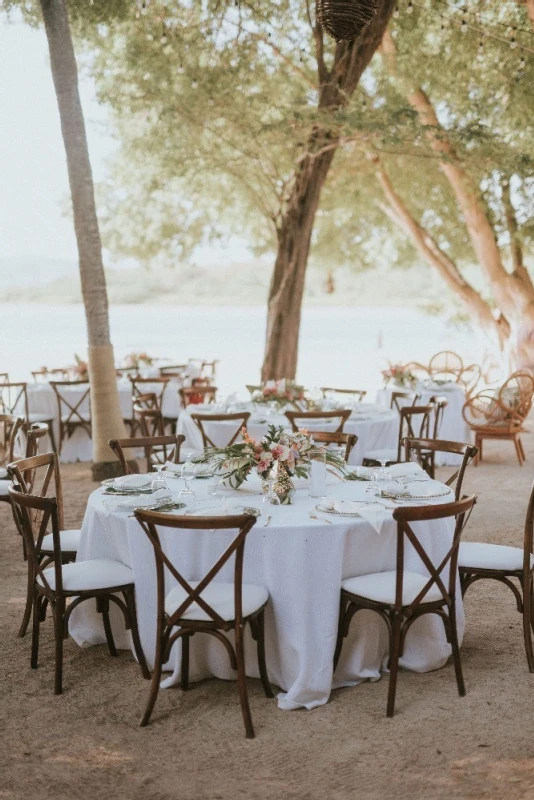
149	420
414	424
156	387
192	395
440	404
208	370
4	377
10	427
346	440
501	414
423	452
14	400
205	606
62	587
40	476
359	394
144	402
74	412
400	399
315	417
241	419
158	450
400	596
512	566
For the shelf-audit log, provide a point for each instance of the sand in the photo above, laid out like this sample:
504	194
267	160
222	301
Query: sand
87	743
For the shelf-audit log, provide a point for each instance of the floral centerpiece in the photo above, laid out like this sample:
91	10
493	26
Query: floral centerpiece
80	369
281	449
282	393
400	375
136	360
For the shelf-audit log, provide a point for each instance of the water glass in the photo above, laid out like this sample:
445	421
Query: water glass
213	486
317	472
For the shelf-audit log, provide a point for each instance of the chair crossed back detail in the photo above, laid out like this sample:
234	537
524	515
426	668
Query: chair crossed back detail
71	409
409	398
419	449
152	521
528	538
150	420
359	394
158	449
36	433
340	439
4	377
10	426
241	418
190	395
440	404
156	388
39	475
14	399
461	511
409	416
311	416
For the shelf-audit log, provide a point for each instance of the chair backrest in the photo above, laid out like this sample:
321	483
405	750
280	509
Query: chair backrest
4	377
40	476
504	409
14	399
528	538
440	404
419	450
446	363
400	399
419	370
470	377
153	523
34	437
150	420
158	449
173	370
126	372
26	509
208	370
191	395
414	423
340	439
516	395
10	426
240	418
74	408
460	510
155	386
358	394
318	416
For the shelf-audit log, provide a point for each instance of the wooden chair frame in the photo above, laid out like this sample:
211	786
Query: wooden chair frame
150	522
340	439
10	426
425	451
398	617
359	393
341	414
187	392
44	595
150	444
440	404
241	417
406	429
74	419
524	595
401	395
21	398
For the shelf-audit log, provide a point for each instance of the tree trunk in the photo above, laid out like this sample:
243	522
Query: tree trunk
106	414
513	291
294	233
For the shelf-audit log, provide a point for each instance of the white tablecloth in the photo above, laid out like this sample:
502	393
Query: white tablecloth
374	427
79	447
301	563
453	426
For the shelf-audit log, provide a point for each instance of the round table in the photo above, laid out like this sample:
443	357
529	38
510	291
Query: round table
375	428
301	562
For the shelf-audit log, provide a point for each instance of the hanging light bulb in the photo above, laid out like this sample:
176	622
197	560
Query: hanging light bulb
522	63
396	13
481	47
409	10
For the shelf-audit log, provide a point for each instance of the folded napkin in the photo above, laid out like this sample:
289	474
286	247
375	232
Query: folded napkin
3	473
142	501
172	467
425	489
405	469
133	481
373	513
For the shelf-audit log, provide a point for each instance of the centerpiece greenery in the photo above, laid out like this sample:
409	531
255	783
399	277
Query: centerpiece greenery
282	393
80	369
400	375
136	360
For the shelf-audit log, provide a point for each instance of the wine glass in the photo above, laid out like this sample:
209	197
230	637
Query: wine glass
373	487
189	473
382	474
158	482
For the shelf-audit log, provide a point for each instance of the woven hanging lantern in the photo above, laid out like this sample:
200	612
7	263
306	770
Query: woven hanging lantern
345	20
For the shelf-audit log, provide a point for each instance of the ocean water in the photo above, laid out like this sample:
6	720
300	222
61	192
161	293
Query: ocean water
339	346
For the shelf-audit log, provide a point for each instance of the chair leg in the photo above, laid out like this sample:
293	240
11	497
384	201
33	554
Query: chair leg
260	628
129	597
242	682
59	629
156	679
528	623
339	639
456	652
184	672
518	451
103	607
29	602
520	443
394	664
35	630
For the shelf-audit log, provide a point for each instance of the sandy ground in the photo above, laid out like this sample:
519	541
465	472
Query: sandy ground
87	743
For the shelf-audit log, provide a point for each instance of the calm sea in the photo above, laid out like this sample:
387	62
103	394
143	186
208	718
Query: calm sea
344	347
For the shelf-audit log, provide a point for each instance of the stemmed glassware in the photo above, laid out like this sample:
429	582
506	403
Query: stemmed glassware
158	482
189	473
382	474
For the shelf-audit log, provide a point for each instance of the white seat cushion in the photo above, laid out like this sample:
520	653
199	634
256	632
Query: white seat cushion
35	417
88	575
69	541
391	455
220	596
3	473
491	556
380	586
3	488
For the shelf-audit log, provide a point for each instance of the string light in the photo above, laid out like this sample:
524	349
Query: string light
396	13
409	10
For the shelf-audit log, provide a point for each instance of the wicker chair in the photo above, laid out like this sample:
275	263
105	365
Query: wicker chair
500	414
446	364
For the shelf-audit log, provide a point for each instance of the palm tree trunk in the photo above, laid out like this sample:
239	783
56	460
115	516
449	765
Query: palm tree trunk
336	86
107	420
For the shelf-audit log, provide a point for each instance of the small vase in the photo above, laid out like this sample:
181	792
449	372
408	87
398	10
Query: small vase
284	486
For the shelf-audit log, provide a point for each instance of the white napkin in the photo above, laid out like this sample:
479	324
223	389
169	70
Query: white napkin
3	472
373	513
173	467
425	489
120	503
133	481
406	469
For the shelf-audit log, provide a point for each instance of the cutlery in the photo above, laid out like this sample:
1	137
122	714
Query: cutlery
269	518
321	519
